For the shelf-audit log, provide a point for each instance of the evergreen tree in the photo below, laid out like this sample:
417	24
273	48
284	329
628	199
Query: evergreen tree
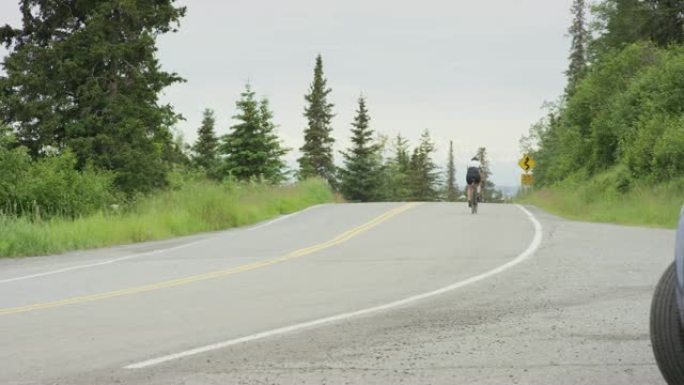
487	187
666	21
274	167
401	165
423	173
623	22
360	176
84	75
578	56
252	149
317	152
451	187
180	152
401	149
205	149
618	23
394	176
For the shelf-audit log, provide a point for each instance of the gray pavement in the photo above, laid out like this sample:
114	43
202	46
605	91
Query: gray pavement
576	312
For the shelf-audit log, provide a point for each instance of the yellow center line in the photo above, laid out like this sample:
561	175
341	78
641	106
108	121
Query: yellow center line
347	235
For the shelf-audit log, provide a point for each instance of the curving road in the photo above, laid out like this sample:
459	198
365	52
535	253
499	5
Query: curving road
348	293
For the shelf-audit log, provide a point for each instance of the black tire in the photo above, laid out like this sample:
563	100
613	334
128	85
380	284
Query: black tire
667	336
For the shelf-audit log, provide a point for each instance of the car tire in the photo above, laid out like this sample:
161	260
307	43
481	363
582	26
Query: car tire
667	335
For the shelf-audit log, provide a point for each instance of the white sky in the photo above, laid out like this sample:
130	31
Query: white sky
475	72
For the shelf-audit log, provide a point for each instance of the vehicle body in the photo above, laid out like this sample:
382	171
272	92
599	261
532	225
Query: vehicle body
667	315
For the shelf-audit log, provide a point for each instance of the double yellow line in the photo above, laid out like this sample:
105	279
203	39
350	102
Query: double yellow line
347	235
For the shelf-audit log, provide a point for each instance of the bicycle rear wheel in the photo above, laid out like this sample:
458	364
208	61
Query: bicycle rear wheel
473	199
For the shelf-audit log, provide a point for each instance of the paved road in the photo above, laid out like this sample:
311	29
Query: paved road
344	294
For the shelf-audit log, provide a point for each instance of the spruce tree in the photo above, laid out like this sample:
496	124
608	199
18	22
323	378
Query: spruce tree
401	148
451	188
274	168
666	21
83	75
487	187
205	149
393	185
360	176
423	173
623	22
252	149
317	151
399	170
578	48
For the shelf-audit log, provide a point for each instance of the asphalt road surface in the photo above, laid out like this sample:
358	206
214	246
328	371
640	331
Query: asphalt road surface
344	294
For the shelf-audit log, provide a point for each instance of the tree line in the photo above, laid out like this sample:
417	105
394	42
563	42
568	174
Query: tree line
622	112
79	101
374	168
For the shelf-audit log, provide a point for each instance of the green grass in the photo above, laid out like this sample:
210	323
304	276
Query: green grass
193	208
599	201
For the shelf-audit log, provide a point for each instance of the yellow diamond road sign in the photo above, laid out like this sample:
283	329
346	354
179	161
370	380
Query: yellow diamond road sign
527	163
527	179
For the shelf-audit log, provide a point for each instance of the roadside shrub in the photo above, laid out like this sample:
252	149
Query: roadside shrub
50	186
628	112
639	152
623	182
14	166
668	152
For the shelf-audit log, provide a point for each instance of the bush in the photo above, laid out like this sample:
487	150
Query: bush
627	113
639	150
624	181
50	186
668	153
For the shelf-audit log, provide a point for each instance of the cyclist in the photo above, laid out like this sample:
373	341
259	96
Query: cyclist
473	178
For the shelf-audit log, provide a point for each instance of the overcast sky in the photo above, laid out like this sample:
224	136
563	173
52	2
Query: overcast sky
475	72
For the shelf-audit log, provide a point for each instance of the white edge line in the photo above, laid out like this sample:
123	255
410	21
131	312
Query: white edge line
531	249
146	253
107	262
282	218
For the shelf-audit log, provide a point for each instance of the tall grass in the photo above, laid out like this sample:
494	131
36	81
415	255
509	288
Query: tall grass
195	207
597	200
